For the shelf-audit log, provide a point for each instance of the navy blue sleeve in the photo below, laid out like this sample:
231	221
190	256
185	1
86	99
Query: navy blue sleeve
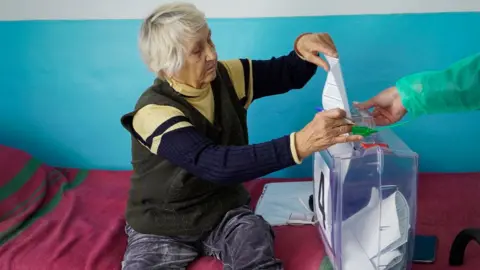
199	155
279	74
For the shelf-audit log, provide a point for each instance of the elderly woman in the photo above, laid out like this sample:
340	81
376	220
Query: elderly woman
190	150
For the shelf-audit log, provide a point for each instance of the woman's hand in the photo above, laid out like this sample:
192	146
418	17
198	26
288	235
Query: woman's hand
388	107
326	129
309	45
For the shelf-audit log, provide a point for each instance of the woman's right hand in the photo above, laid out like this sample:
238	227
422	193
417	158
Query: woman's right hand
326	129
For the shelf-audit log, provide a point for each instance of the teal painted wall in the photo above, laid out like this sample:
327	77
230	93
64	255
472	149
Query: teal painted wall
65	84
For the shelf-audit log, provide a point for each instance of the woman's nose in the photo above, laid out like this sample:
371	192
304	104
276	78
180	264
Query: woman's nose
211	55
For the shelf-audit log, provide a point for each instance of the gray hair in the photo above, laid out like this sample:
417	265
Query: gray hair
164	33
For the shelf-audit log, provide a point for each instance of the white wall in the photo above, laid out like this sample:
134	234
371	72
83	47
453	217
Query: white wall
134	9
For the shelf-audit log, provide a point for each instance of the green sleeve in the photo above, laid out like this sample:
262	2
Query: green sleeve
455	89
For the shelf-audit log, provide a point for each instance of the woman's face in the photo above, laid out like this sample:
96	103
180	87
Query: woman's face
200	63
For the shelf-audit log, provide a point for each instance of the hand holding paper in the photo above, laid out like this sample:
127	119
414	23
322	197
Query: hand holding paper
326	129
309	45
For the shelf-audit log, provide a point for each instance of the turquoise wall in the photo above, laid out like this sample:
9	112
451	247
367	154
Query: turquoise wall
65	84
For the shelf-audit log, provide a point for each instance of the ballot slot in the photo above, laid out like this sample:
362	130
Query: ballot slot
365	119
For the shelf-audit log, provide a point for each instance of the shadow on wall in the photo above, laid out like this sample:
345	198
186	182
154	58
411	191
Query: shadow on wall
65	84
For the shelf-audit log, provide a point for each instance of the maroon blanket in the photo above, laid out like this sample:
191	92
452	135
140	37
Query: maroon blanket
59	219
73	219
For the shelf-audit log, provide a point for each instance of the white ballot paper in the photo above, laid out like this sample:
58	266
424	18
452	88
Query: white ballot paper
334	94
360	241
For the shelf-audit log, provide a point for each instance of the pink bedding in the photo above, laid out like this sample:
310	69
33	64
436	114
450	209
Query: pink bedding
73	219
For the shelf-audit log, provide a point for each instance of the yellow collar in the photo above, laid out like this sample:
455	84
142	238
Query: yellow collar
188	90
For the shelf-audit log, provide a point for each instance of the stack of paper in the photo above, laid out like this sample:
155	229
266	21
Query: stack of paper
281	202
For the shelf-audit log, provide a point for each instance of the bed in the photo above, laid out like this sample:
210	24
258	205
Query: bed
60	218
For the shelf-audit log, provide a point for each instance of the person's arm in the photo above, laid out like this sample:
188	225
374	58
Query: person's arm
454	89
254	79
165	131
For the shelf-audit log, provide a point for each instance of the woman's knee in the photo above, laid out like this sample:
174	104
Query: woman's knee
254	224
257	221
157	252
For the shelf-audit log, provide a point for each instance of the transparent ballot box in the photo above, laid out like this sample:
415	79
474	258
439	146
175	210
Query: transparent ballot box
365	201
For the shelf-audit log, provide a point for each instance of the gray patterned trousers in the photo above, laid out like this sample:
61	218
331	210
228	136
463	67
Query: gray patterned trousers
241	241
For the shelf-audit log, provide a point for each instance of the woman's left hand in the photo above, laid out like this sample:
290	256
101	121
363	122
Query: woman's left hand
309	45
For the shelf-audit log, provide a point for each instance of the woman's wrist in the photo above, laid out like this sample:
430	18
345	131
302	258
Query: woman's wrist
301	147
